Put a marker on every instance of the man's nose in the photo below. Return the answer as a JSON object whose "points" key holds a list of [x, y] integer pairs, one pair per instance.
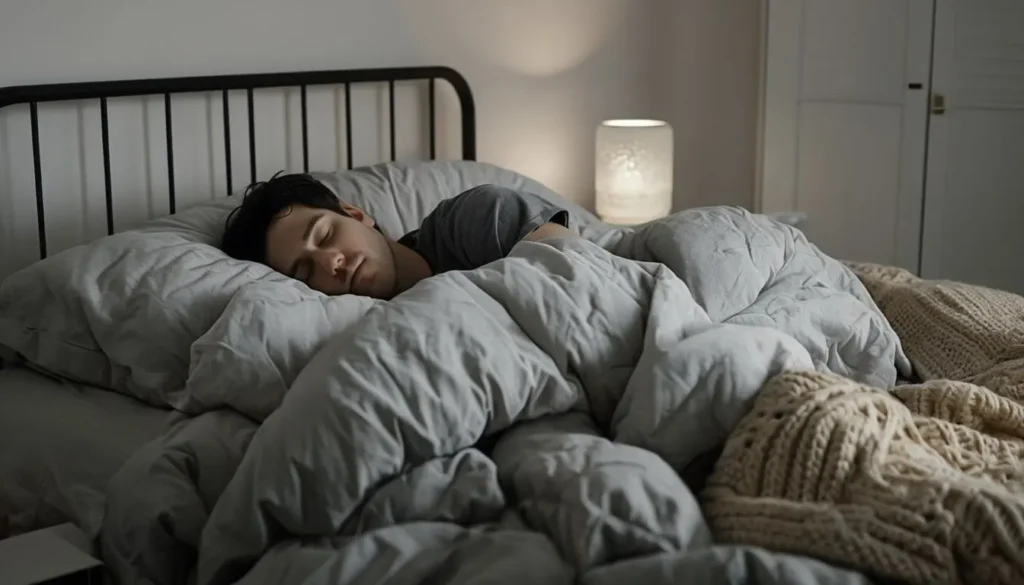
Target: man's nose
{"points": [[329, 260]]}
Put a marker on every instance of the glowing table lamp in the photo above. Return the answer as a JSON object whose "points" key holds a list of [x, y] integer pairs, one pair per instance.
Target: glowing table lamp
{"points": [[633, 174]]}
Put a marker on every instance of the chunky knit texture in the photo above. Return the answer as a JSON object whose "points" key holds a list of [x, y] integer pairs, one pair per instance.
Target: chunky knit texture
{"points": [[923, 483], [949, 330]]}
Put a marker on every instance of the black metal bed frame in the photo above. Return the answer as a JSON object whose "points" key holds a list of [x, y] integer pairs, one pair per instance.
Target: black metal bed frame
{"points": [[103, 90]]}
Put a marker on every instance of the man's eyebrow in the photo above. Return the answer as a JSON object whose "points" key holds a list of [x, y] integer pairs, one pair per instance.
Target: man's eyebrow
{"points": [[305, 238]]}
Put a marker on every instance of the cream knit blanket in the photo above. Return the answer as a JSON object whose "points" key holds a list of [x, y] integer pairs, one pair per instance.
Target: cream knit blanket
{"points": [[923, 483]]}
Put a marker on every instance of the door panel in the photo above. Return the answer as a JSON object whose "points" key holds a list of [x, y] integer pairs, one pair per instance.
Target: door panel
{"points": [[837, 143], [839, 64], [974, 203], [844, 133]]}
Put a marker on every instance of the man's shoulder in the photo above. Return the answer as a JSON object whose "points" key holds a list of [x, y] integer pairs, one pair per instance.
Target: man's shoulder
{"points": [[481, 194], [483, 204], [498, 196], [469, 203]]}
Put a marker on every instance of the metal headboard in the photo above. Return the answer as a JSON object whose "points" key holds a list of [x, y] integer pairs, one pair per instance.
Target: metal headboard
{"points": [[102, 91]]}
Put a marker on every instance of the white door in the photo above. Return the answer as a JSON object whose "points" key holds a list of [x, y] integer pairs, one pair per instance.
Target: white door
{"points": [[846, 106], [974, 201]]}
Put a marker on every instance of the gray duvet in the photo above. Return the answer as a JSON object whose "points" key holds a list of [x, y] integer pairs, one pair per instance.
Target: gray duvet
{"points": [[526, 422]]}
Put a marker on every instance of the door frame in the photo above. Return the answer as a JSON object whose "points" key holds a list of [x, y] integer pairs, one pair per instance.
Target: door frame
{"points": [[762, 101], [934, 164]]}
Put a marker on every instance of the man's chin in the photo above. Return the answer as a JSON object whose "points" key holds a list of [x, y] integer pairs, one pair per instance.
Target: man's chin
{"points": [[389, 291]]}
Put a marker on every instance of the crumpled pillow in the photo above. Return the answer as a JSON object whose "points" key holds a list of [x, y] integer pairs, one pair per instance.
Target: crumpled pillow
{"points": [[400, 195], [121, 312]]}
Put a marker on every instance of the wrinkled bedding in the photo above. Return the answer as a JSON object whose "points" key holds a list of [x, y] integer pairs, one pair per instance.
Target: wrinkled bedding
{"points": [[923, 484], [528, 421], [43, 482]]}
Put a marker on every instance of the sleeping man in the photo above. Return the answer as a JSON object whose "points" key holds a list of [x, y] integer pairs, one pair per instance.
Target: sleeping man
{"points": [[297, 226]]}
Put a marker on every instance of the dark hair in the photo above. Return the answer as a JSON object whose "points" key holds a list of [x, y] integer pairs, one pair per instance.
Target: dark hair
{"points": [[245, 230]]}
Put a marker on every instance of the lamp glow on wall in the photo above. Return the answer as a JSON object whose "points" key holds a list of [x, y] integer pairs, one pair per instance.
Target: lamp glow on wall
{"points": [[633, 173]]}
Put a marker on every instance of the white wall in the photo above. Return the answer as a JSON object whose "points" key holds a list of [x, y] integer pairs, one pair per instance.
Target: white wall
{"points": [[544, 73], [707, 62]]}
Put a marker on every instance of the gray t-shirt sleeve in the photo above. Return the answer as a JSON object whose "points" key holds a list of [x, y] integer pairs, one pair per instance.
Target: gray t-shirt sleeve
{"points": [[482, 225]]}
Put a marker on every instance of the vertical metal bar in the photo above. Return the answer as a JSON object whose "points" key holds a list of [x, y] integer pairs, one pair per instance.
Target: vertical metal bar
{"points": [[227, 140], [391, 115], [170, 152], [348, 124], [105, 131], [252, 137], [40, 215], [305, 132], [433, 119]]}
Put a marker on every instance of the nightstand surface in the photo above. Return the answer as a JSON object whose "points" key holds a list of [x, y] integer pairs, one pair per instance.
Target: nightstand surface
{"points": [[37, 557]]}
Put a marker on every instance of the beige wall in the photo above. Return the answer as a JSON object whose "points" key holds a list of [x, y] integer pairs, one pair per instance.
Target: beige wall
{"points": [[707, 86], [544, 73]]}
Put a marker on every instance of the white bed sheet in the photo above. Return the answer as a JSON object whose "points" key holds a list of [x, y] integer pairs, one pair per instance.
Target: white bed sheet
{"points": [[59, 444]]}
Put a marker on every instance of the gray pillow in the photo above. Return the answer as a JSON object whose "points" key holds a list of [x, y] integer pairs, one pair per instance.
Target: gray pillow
{"points": [[123, 311], [399, 195]]}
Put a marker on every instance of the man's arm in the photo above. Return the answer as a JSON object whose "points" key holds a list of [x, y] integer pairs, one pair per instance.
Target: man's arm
{"points": [[548, 230], [483, 224]]}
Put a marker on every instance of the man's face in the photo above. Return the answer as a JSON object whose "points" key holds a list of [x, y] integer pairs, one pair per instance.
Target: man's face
{"points": [[332, 253]]}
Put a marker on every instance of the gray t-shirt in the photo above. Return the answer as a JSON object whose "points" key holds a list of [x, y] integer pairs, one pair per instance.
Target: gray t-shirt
{"points": [[479, 226]]}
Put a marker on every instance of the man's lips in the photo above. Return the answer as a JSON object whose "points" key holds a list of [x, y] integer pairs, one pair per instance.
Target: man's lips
{"points": [[355, 278]]}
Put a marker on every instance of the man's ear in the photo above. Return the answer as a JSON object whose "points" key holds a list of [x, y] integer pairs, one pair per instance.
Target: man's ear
{"points": [[358, 214]]}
